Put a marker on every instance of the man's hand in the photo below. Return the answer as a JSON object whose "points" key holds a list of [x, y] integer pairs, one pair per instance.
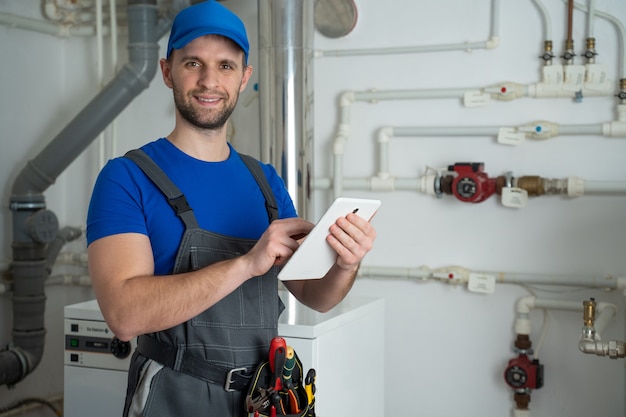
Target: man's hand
{"points": [[352, 237], [277, 244]]}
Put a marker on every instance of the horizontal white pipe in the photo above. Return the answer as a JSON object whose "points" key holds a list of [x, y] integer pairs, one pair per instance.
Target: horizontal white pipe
{"points": [[425, 273], [394, 272], [42, 26], [374, 95], [72, 258], [69, 279], [417, 184], [492, 42], [604, 187], [463, 46], [445, 131], [588, 129]]}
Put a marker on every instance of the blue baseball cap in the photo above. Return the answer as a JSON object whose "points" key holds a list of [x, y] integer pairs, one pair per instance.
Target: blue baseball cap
{"points": [[207, 18]]}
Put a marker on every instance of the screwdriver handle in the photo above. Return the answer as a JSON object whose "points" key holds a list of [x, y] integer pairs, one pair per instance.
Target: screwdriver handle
{"points": [[290, 363], [277, 342]]}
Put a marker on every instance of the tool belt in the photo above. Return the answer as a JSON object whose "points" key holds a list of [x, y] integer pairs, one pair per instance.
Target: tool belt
{"points": [[236, 379], [279, 387]]}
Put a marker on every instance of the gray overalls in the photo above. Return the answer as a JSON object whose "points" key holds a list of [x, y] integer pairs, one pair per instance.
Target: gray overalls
{"points": [[202, 367]]}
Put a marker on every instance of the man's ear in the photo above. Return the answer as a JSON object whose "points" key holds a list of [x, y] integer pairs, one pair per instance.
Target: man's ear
{"points": [[247, 74], [166, 72]]}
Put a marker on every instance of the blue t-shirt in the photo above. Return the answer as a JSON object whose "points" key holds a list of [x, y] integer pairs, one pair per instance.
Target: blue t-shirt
{"points": [[224, 197]]}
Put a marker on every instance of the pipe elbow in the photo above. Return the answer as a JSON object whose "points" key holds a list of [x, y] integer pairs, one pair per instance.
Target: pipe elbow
{"points": [[17, 361], [493, 42], [385, 134], [346, 99], [525, 304], [587, 345]]}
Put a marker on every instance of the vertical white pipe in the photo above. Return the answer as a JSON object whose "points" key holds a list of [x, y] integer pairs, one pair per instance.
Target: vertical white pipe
{"points": [[606, 314], [591, 18], [545, 18]]}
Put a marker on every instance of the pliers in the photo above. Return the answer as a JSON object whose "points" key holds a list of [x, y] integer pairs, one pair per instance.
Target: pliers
{"points": [[262, 400]]}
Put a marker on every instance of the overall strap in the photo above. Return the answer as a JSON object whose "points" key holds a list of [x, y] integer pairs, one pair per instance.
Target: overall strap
{"points": [[259, 176], [175, 197]]}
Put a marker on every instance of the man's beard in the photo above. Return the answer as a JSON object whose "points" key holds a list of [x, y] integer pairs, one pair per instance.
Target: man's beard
{"points": [[198, 119]]}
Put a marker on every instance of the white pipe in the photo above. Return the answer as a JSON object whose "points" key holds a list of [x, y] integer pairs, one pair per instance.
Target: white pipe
{"points": [[529, 130], [620, 28], [545, 18], [526, 304], [604, 187], [385, 181], [606, 313], [50, 28], [377, 95], [384, 136], [616, 128], [591, 16], [492, 42], [464, 46], [70, 280], [458, 275], [72, 258]]}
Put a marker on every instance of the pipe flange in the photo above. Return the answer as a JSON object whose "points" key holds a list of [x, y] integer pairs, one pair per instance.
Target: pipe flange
{"points": [[22, 358]]}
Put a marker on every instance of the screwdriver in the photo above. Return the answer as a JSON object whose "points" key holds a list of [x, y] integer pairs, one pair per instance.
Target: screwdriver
{"points": [[277, 361], [290, 363], [276, 343]]}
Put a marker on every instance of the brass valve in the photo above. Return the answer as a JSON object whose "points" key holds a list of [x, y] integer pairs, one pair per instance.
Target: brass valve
{"points": [[589, 312]]}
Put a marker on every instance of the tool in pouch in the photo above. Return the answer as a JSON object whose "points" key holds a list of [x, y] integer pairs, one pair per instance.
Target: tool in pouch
{"points": [[278, 387]]}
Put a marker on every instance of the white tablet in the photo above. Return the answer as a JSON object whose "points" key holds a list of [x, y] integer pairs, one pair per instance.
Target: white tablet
{"points": [[315, 257]]}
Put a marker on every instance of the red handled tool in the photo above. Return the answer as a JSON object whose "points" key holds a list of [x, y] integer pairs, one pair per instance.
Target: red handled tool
{"points": [[278, 348]]}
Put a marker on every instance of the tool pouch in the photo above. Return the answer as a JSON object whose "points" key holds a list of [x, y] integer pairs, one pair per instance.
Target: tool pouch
{"points": [[291, 401]]}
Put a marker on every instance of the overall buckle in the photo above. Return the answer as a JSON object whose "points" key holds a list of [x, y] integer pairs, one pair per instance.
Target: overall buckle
{"points": [[230, 380]]}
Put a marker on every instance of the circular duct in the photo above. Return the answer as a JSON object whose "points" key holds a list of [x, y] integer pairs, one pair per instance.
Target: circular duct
{"points": [[335, 18]]}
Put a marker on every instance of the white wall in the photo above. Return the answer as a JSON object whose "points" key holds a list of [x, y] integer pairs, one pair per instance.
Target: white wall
{"points": [[446, 348]]}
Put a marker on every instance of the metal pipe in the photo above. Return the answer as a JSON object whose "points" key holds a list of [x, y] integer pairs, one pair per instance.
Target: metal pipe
{"points": [[33, 225], [286, 93]]}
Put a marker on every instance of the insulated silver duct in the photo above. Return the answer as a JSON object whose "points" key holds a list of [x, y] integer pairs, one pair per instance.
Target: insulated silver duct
{"points": [[34, 227], [286, 30]]}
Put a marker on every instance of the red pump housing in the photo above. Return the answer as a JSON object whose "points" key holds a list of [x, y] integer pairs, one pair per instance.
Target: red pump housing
{"points": [[523, 373], [471, 184]]}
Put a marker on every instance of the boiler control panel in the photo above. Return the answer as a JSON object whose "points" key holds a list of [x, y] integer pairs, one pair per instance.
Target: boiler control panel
{"points": [[90, 343]]}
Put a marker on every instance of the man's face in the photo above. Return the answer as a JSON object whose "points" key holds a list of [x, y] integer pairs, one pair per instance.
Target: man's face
{"points": [[206, 77]]}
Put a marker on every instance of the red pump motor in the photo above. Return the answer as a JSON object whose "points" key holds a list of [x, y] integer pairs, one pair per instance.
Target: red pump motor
{"points": [[524, 374], [471, 184]]}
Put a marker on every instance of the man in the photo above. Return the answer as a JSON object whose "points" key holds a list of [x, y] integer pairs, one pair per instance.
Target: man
{"points": [[184, 254]]}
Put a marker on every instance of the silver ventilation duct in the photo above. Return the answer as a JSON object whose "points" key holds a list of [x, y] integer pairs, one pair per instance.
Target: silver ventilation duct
{"points": [[286, 30], [35, 228]]}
